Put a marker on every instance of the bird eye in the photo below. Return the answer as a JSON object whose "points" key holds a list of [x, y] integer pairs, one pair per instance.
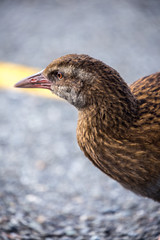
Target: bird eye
{"points": [[59, 75]]}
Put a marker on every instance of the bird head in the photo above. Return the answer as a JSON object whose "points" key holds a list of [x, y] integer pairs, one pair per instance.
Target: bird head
{"points": [[79, 79]]}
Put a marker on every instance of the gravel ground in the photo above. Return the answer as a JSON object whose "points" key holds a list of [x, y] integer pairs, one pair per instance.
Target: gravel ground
{"points": [[48, 189]]}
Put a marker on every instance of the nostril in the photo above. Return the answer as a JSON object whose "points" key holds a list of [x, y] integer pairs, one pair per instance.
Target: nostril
{"points": [[33, 80]]}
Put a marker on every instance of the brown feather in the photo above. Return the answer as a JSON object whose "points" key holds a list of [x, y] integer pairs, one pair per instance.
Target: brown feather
{"points": [[119, 126]]}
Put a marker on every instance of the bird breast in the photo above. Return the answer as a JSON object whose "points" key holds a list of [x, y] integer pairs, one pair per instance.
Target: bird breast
{"points": [[125, 161]]}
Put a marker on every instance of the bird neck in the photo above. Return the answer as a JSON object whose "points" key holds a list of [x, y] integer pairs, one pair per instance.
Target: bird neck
{"points": [[113, 116]]}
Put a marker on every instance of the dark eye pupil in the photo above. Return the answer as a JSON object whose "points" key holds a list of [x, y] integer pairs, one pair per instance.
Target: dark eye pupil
{"points": [[59, 75]]}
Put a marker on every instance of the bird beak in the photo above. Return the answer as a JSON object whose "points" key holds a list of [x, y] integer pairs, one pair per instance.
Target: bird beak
{"points": [[37, 80]]}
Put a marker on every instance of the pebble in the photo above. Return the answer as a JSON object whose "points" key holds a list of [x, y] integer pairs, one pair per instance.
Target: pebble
{"points": [[109, 210], [85, 230], [84, 218], [95, 238], [59, 233], [70, 232], [35, 226]]}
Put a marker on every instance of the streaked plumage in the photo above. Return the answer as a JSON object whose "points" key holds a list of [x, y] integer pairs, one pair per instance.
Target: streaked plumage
{"points": [[118, 126]]}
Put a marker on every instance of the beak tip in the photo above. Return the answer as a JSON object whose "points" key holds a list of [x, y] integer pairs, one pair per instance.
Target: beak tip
{"points": [[17, 85], [34, 81]]}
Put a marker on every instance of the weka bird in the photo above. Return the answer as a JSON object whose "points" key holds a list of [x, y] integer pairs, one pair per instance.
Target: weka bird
{"points": [[118, 126]]}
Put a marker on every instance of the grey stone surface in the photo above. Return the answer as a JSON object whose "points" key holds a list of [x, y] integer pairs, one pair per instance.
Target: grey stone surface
{"points": [[48, 189]]}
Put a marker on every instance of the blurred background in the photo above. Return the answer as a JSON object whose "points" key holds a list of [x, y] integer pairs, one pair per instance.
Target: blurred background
{"points": [[124, 34], [47, 186]]}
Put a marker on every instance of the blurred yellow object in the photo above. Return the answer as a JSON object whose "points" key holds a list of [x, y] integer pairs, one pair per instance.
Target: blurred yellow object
{"points": [[12, 73]]}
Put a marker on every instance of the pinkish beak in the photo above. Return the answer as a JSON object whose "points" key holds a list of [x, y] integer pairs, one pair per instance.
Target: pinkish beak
{"points": [[37, 80]]}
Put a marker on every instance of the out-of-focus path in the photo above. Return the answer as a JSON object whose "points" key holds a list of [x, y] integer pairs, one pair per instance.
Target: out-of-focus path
{"points": [[48, 189]]}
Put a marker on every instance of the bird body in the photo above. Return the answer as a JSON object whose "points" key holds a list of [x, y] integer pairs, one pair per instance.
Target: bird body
{"points": [[132, 157], [118, 126]]}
